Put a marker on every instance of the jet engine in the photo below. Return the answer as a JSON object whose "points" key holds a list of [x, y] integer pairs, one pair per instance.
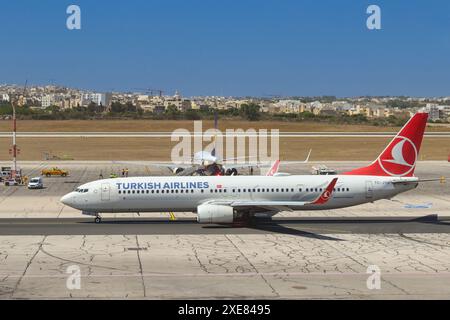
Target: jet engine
{"points": [[177, 170], [209, 214], [231, 172]]}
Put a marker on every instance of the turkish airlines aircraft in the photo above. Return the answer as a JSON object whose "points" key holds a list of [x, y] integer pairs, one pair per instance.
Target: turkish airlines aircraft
{"points": [[236, 199]]}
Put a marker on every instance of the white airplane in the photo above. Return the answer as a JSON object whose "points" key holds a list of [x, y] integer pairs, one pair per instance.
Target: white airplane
{"points": [[236, 200], [207, 163]]}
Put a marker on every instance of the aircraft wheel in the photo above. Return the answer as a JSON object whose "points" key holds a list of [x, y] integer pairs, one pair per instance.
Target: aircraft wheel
{"points": [[98, 219]]}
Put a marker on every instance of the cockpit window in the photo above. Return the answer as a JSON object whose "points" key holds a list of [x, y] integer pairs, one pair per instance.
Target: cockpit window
{"points": [[79, 190]]}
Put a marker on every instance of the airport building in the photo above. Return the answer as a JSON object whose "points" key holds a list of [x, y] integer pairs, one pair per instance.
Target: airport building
{"points": [[103, 99], [4, 97]]}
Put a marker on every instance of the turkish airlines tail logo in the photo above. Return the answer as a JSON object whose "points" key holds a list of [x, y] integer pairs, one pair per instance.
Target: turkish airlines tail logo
{"points": [[400, 157], [326, 195]]}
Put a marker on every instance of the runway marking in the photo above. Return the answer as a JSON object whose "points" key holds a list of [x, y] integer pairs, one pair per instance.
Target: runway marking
{"points": [[245, 274]]}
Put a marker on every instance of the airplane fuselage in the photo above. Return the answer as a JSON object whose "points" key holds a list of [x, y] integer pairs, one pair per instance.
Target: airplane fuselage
{"points": [[182, 194]]}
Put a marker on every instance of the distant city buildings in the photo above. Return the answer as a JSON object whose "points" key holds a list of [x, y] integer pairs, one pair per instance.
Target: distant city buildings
{"points": [[100, 99], [370, 107], [438, 112], [4, 97]]}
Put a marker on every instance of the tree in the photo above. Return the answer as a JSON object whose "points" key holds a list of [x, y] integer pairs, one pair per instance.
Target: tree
{"points": [[192, 115], [251, 111], [172, 112]]}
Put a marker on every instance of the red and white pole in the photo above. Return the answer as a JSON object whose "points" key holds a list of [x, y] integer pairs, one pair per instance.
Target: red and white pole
{"points": [[14, 151]]}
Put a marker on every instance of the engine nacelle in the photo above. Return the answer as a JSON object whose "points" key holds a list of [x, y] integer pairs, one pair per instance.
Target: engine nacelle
{"points": [[177, 170], [208, 214]]}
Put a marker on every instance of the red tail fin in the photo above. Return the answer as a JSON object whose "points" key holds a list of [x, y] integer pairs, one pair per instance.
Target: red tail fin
{"points": [[400, 157]]}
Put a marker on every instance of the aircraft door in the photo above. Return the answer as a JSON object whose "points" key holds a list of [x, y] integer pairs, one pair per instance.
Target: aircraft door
{"points": [[106, 192], [369, 189]]}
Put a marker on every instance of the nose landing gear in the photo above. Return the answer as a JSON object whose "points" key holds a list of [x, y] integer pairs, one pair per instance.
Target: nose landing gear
{"points": [[97, 219]]}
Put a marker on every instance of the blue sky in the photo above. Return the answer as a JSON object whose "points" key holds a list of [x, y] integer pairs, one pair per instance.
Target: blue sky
{"points": [[240, 48]]}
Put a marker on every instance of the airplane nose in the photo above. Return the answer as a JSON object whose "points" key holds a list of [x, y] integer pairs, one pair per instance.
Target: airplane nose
{"points": [[68, 200]]}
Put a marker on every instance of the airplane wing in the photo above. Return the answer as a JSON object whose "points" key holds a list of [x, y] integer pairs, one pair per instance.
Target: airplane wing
{"points": [[245, 165], [301, 162], [188, 171], [169, 165], [414, 181], [277, 206]]}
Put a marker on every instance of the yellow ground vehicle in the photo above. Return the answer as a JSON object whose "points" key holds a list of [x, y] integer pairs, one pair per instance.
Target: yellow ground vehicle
{"points": [[55, 172]]}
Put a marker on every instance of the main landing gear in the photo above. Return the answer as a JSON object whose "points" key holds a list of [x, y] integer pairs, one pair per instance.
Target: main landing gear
{"points": [[98, 219]]}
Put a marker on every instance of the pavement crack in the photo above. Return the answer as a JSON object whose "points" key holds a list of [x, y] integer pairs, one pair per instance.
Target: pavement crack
{"points": [[422, 241], [274, 291], [78, 262], [41, 243], [140, 266]]}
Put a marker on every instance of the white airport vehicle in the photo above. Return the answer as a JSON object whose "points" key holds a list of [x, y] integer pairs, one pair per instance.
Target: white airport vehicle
{"points": [[11, 183], [36, 183], [323, 170], [234, 200]]}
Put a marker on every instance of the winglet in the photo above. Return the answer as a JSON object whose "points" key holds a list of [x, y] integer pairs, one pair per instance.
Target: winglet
{"points": [[309, 156], [273, 169], [326, 195]]}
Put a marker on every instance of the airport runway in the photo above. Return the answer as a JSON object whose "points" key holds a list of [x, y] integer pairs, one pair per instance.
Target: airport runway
{"points": [[302, 227], [298, 255]]}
